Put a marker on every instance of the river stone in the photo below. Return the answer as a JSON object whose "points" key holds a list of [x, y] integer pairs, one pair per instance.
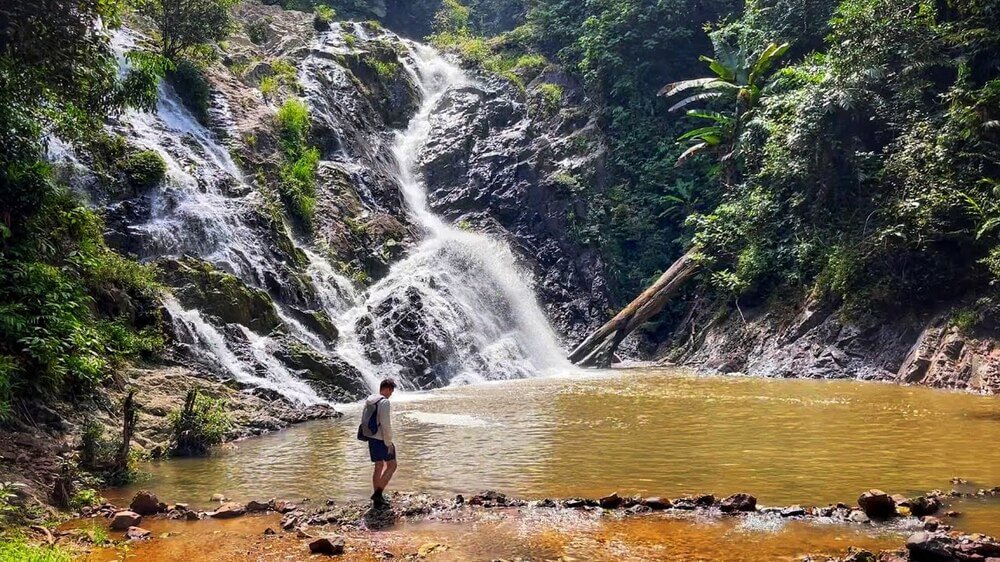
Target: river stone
{"points": [[656, 503], [138, 534], [793, 511], [254, 506], [146, 503], [877, 504], [331, 545], [228, 511], [929, 547], [612, 501], [122, 520], [738, 502], [921, 505]]}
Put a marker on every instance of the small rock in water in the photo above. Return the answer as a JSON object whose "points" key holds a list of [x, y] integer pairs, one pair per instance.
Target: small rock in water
{"points": [[122, 520], [921, 505], [877, 504], [146, 503], [219, 498], [269, 531], [228, 511], [858, 555], [612, 501], [953, 513], [331, 545], [459, 499], [257, 506], [656, 503], [738, 502], [137, 534], [931, 523], [793, 511], [858, 516], [284, 506]]}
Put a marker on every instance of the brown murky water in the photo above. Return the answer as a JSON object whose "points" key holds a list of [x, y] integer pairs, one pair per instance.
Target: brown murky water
{"points": [[513, 535], [646, 431]]}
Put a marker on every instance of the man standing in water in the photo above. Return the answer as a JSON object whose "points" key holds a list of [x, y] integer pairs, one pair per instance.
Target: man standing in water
{"points": [[376, 428]]}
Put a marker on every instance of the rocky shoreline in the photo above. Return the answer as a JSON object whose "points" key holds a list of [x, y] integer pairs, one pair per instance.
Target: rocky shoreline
{"points": [[328, 528]]}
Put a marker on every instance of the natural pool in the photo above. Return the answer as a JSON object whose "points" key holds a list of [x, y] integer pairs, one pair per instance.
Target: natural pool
{"points": [[637, 431]]}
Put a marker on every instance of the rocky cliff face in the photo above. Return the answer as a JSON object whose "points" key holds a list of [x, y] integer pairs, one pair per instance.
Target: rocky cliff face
{"points": [[816, 341], [512, 167]]}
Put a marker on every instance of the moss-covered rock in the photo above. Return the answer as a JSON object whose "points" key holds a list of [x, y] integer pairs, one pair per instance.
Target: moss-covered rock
{"points": [[197, 284], [382, 78], [330, 375], [143, 169]]}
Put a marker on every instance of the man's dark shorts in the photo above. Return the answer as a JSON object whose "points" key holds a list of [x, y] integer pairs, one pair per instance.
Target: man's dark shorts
{"points": [[379, 452]]}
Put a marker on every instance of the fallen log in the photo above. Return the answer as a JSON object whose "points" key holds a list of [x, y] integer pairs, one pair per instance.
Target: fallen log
{"points": [[599, 347]]}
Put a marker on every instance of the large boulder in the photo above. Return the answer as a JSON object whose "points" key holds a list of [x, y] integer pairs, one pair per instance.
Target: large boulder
{"points": [[197, 284], [921, 505], [877, 504], [146, 503]]}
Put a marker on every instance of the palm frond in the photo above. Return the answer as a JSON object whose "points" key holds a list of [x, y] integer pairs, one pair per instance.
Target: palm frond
{"points": [[724, 72], [690, 152], [720, 118], [703, 133], [697, 97], [771, 54], [675, 87]]}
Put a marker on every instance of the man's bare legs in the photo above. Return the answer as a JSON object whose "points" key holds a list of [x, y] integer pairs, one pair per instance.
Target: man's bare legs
{"points": [[377, 477], [389, 468]]}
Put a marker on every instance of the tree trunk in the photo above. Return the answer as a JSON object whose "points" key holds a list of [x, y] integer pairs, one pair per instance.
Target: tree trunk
{"points": [[130, 415], [599, 347]]}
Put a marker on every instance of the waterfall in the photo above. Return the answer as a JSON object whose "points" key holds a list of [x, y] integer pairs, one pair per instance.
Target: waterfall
{"points": [[481, 314], [456, 309]]}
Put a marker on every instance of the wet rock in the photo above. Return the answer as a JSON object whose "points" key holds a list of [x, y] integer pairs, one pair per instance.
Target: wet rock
{"points": [[877, 504], [613, 501], [858, 555], [429, 548], [921, 505], [254, 506], [931, 523], [656, 503], [137, 534], [331, 545], [219, 498], [146, 503], [122, 520], [269, 531], [929, 547], [858, 516], [793, 511], [953, 513], [491, 498], [578, 503], [738, 502], [229, 511], [284, 506], [292, 519], [198, 284]]}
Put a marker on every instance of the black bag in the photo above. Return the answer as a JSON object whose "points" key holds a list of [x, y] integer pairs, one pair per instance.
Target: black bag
{"points": [[372, 423]]}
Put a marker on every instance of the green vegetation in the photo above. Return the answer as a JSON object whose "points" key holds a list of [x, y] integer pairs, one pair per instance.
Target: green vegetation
{"points": [[201, 423], [86, 497], [551, 97], [144, 169], [17, 548], [188, 79], [186, 28], [297, 184], [257, 31], [322, 17]]}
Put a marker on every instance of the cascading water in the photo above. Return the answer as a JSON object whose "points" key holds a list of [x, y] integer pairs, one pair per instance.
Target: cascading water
{"points": [[464, 290], [456, 309]]}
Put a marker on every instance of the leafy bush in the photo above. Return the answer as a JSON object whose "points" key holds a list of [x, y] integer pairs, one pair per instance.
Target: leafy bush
{"points": [[86, 497], [144, 169], [257, 31], [551, 97], [192, 87], [323, 16], [186, 27], [202, 422], [17, 548]]}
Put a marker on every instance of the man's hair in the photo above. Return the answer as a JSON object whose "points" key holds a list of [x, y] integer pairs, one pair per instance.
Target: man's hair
{"points": [[387, 383]]}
